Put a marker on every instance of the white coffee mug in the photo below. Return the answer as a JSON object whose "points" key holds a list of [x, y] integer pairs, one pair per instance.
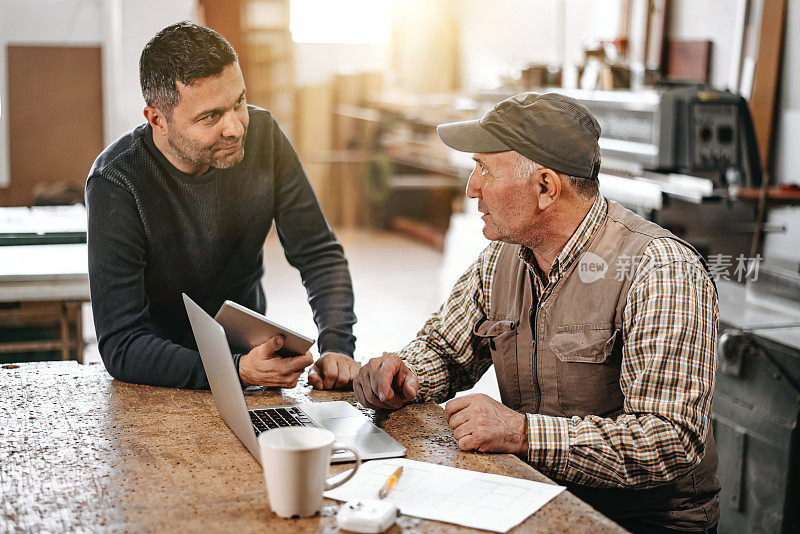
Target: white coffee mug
{"points": [[296, 461]]}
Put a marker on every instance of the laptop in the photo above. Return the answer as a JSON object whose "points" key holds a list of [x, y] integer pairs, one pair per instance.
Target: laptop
{"points": [[350, 426]]}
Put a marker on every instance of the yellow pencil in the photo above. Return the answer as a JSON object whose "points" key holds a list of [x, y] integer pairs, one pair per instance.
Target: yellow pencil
{"points": [[389, 484]]}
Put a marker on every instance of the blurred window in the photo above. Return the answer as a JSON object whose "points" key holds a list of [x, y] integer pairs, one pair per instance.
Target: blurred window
{"points": [[341, 21]]}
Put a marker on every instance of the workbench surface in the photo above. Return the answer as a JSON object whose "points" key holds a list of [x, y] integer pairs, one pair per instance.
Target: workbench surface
{"points": [[81, 451]]}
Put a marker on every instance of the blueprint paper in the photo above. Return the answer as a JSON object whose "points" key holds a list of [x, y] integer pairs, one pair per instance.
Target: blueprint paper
{"points": [[468, 498]]}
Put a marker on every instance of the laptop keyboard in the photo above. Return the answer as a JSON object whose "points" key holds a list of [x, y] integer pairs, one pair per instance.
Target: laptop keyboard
{"points": [[268, 418]]}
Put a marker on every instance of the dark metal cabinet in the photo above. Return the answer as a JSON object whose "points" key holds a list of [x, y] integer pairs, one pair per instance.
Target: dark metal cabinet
{"points": [[755, 415]]}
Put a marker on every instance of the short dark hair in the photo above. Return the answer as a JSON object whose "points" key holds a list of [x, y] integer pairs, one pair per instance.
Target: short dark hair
{"points": [[587, 188], [185, 52]]}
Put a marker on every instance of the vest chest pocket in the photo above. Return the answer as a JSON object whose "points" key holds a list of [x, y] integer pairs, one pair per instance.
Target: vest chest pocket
{"points": [[587, 369], [500, 339]]}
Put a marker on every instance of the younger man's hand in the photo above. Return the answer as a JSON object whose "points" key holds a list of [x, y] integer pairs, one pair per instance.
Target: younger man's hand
{"points": [[263, 367], [334, 370]]}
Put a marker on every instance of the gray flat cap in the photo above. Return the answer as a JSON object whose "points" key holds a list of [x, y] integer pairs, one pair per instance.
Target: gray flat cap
{"points": [[551, 129]]}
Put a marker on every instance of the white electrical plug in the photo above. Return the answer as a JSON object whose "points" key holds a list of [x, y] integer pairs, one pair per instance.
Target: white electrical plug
{"points": [[370, 516]]}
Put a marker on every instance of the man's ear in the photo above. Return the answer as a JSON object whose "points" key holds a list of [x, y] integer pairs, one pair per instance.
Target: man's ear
{"points": [[548, 187], [156, 118]]}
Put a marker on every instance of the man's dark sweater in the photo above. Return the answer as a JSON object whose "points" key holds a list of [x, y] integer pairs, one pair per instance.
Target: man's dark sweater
{"points": [[155, 232]]}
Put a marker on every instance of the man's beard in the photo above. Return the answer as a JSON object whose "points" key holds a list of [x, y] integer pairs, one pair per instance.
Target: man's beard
{"points": [[528, 236], [197, 154]]}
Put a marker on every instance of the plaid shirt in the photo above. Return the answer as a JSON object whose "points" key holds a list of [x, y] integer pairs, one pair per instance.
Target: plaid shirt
{"points": [[667, 373]]}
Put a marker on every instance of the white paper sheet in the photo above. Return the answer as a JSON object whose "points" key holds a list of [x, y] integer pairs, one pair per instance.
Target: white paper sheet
{"points": [[468, 498]]}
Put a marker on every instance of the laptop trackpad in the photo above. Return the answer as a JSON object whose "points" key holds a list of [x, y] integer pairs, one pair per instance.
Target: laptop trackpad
{"points": [[347, 426], [373, 445], [353, 429]]}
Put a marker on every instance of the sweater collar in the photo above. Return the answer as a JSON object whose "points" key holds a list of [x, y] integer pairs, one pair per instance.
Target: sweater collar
{"points": [[171, 169]]}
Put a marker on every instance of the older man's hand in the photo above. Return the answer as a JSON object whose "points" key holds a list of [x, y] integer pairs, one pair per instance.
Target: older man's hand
{"points": [[333, 371], [482, 424], [385, 383]]}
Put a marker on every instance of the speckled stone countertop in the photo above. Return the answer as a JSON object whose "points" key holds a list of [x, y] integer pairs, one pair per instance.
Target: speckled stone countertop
{"points": [[82, 452]]}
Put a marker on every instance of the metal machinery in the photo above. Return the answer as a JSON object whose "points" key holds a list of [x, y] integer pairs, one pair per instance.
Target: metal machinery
{"points": [[696, 131], [676, 155], [756, 407]]}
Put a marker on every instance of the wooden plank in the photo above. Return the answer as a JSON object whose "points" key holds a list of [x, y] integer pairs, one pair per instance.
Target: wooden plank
{"points": [[786, 193], [347, 89], [83, 452], [656, 34], [352, 134], [31, 310], [420, 230], [688, 61], [75, 310], [314, 136], [738, 35], [28, 319], [64, 331], [34, 346], [55, 118], [624, 26], [65, 315], [225, 17], [763, 99], [425, 47], [637, 32]]}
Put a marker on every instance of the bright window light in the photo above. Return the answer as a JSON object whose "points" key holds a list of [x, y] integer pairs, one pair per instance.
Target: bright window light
{"points": [[341, 21]]}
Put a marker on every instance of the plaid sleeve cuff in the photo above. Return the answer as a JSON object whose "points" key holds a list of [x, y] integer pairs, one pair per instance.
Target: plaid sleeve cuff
{"points": [[548, 443], [424, 388]]}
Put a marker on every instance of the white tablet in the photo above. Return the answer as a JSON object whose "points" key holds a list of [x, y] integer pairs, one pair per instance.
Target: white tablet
{"points": [[246, 329]]}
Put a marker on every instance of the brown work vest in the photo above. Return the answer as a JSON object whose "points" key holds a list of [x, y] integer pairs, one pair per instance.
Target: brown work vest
{"points": [[562, 358]]}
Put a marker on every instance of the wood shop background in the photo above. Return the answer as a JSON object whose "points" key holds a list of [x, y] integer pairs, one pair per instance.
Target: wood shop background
{"points": [[699, 102]]}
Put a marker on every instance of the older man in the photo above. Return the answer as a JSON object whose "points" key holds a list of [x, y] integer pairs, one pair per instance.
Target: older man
{"points": [[600, 324]]}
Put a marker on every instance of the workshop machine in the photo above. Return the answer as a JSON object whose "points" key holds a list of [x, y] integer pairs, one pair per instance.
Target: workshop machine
{"points": [[756, 407], [677, 155]]}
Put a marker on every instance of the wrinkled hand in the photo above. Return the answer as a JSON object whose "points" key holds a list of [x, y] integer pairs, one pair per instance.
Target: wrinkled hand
{"points": [[262, 367], [385, 383], [333, 371], [482, 424]]}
